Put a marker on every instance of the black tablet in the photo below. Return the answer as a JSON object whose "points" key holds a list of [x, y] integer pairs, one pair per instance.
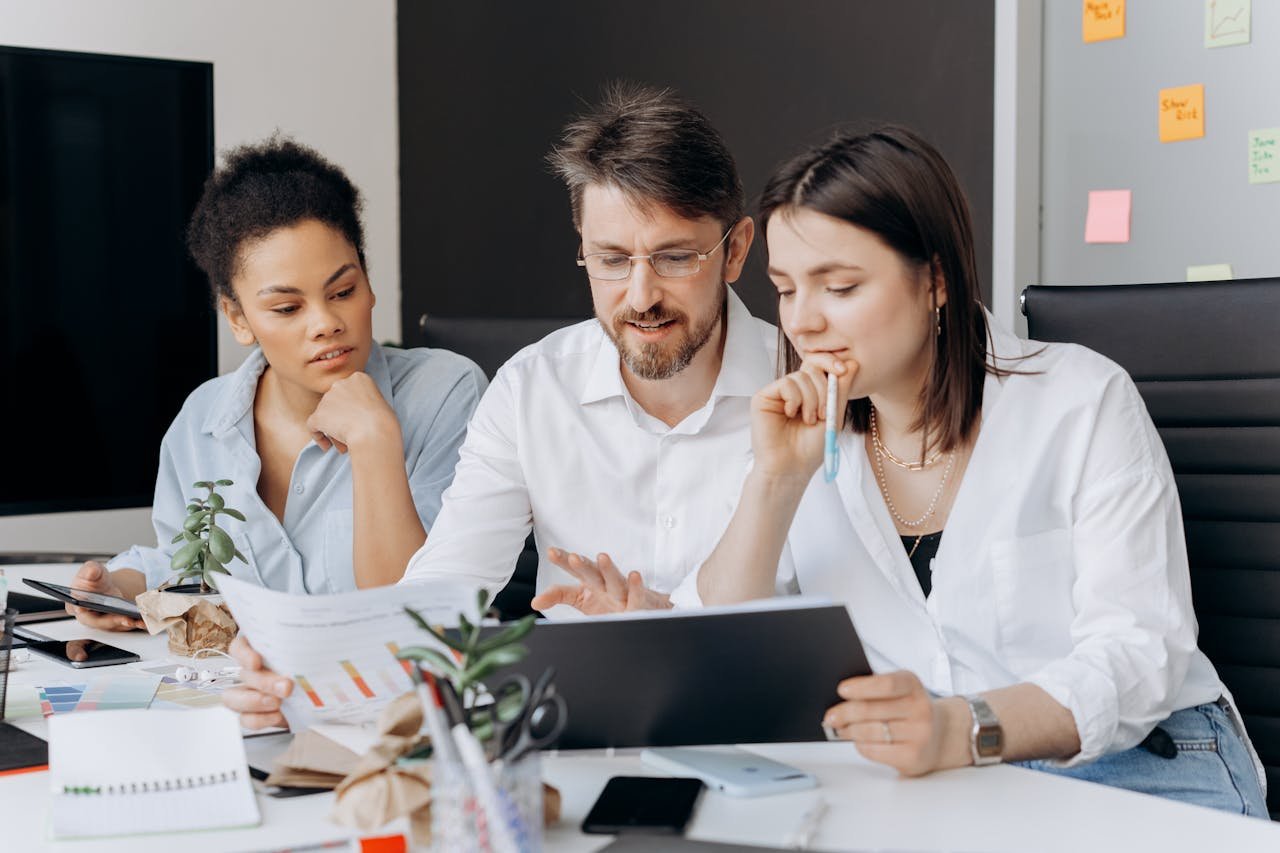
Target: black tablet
{"points": [[98, 601], [681, 678]]}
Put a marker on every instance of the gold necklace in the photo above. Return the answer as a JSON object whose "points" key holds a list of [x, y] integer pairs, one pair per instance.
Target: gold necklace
{"points": [[888, 454], [933, 504]]}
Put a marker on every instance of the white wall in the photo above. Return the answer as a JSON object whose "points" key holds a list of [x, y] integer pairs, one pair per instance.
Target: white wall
{"points": [[323, 71]]}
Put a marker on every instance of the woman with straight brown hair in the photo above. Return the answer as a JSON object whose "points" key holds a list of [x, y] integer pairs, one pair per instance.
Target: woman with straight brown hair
{"points": [[1001, 522]]}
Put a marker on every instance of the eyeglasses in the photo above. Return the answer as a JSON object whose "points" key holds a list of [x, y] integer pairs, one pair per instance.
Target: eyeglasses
{"points": [[669, 263]]}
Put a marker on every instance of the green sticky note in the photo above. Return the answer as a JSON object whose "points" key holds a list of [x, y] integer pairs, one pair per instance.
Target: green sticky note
{"points": [[1264, 156], [1209, 272], [1227, 22]]}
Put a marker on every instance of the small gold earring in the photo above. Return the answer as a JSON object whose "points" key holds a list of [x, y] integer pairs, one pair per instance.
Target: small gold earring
{"points": [[937, 313]]}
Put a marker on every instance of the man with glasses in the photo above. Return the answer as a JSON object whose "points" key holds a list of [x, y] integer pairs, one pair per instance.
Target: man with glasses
{"points": [[621, 441]]}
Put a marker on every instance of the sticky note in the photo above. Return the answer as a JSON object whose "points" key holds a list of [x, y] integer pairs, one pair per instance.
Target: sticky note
{"points": [[1227, 22], [1182, 113], [1108, 218], [1103, 19], [1264, 156], [1209, 272]]}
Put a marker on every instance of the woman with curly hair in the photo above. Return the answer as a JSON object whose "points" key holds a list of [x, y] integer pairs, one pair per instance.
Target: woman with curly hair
{"points": [[339, 449]]}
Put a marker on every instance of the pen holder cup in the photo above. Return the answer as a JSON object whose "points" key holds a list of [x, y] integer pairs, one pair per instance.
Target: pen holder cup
{"points": [[459, 820], [7, 620]]}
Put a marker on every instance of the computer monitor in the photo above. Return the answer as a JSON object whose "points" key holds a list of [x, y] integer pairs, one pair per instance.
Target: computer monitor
{"points": [[105, 323]]}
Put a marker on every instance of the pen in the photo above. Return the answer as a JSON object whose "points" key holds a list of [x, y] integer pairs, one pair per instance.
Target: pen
{"points": [[831, 454], [437, 725], [486, 790]]}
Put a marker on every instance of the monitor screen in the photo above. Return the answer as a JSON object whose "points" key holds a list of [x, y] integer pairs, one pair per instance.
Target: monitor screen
{"points": [[106, 325]]}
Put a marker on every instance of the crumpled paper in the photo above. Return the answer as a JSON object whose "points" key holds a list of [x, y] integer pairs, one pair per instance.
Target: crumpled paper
{"points": [[194, 622], [313, 761], [379, 790]]}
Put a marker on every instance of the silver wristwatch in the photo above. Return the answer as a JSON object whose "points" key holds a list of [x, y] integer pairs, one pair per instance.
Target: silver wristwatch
{"points": [[986, 739]]}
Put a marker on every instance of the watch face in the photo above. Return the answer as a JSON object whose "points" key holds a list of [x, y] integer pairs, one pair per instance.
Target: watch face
{"points": [[990, 742]]}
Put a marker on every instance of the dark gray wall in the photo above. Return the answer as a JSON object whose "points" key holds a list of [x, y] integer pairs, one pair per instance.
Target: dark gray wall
{"points": [[485, 87]]}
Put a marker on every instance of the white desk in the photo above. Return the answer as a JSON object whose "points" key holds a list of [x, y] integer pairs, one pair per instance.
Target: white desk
{"points": [[991, 809]]}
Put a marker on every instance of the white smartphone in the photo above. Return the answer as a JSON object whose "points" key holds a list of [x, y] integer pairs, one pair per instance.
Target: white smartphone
{"points": [[730, 770]]}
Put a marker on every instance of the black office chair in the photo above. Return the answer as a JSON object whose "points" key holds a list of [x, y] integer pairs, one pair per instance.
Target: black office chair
{"points": [[489, 342], [1206, 359]]}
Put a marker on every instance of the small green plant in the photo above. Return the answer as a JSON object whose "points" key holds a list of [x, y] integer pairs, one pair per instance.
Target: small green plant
{"points": [[208, 548], [476, 659]]}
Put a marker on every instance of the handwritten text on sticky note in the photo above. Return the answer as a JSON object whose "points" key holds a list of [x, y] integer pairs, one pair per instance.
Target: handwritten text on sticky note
{"points": [[1103, 19], [1264, 156], [1182, 113], [1108, 218]]}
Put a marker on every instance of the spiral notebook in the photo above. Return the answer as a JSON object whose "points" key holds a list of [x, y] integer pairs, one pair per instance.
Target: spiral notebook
{"points": [[141, 771]]}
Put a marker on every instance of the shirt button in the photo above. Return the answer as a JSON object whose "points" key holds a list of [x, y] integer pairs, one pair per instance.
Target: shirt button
{"points": [[668, 522], [299, 489]]}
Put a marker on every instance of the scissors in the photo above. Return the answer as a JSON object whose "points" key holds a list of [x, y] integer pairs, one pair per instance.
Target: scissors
{"points": [[540, 719]]}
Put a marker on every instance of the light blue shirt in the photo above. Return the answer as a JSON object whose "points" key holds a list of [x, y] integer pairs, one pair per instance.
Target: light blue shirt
{"points": [[433, 393]]}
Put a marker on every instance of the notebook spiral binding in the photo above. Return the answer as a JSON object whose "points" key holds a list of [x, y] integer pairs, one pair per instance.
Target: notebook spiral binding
{"points": [[179, 784]]}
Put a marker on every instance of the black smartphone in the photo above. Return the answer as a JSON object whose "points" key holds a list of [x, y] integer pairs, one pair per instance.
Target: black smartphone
{"points": [[101, 602], [81, 653], [643, 804]]}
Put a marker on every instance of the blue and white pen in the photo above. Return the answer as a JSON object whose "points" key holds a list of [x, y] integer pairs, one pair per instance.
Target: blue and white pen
{"points": [[831, 453]]}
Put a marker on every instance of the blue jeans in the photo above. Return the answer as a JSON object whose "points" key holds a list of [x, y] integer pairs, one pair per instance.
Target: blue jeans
{"points": [[1213, 767]]}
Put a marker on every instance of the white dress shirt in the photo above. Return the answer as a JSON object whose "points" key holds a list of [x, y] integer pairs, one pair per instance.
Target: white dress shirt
{"points": [[1062, 562], [558, 444]]}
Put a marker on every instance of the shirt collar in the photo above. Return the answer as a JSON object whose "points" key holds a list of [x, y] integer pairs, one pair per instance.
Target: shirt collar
{"points": [[744, 369], [235, 402]]}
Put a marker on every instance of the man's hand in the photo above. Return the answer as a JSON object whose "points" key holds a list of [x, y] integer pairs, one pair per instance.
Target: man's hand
{"points": [[601, 587], [94, 577], [353, 413], [257, 699]]}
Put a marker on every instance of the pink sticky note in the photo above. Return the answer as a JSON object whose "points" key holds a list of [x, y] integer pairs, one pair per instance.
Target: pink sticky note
{"points": [[1108, 217]]}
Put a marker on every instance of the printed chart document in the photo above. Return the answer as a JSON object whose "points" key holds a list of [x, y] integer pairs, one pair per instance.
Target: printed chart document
{"points": [[340, 650]]}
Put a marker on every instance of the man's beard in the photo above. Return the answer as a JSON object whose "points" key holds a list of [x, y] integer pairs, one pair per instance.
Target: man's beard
{"points": [[661, 360]]}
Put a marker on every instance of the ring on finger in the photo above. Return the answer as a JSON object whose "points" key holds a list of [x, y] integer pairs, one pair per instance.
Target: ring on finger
{"points": [[888, 732]]}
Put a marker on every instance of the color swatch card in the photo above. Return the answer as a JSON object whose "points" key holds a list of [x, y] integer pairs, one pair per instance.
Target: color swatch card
{"points": [[1108, 218], [1182, 113], [1264, 156], [340, 650], [107, 693], [1102, 20], [1227, 22]]}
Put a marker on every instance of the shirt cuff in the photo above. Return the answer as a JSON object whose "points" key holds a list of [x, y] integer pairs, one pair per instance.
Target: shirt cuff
{"points": [[1092, 700], [156, 571]]}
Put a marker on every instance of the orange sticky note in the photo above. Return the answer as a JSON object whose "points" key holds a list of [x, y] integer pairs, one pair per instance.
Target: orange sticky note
{"points": [[1182, 113], [1103, 19], [1108, 218]]}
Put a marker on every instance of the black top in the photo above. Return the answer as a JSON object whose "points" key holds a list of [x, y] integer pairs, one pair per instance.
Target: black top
{"points": [[923, 556]]}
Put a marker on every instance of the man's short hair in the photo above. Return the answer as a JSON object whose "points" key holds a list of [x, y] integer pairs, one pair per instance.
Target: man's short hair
{"points": [[276, 183], [656, 149]]}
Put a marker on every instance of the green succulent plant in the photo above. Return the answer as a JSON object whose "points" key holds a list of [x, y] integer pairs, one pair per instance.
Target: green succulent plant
{"points": [[476, 660], [207, 548]]}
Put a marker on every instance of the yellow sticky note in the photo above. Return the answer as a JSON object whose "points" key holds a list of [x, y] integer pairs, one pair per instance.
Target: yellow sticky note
{"points": [[1209, 272], [1264, 156], [1103, 19], [1182, 113]]}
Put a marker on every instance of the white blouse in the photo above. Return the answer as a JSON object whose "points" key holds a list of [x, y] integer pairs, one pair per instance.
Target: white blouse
{"points": [[1062, 563]]}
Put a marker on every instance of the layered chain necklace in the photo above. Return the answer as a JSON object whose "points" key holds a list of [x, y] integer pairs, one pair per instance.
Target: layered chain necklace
{"points": [[881, 453]]}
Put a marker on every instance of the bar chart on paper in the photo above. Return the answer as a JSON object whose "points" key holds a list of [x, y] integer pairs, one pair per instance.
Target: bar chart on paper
{"points": [[350, 688], [340, 650], [102, 694]]}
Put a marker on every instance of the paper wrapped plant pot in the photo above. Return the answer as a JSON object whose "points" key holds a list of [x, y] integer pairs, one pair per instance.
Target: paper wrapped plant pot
{"points": [[194, 621]]}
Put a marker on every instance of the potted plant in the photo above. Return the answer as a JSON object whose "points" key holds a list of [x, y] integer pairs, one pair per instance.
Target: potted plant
{"points": [[188, 606]]}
